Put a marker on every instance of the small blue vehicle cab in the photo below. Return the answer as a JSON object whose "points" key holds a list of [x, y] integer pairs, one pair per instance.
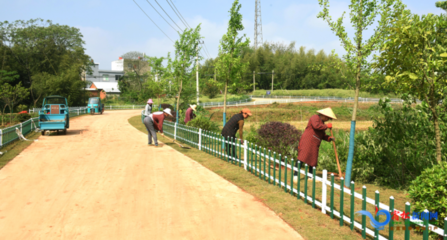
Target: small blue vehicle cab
{"points": [[95, 106], [54, 115]]}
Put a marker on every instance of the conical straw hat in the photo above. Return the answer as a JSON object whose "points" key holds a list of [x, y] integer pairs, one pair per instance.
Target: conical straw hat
{"points": [[327, 112]]}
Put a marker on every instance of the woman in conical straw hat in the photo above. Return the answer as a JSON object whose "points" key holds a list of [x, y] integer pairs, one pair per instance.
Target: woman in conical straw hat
{"points": [[310, 141], [189, 115]]}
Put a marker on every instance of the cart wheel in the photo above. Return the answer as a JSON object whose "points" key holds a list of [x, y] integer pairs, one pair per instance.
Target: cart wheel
{"points": [[102, 111], [57, 132], [65, 132], [43, 133]]}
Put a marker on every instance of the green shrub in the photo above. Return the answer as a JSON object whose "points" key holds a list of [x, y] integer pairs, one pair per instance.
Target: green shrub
{"points": [[204, 123], [399, 148], [252, 135], [22, 117], [429, 191], [326, 156], [22, 107]]}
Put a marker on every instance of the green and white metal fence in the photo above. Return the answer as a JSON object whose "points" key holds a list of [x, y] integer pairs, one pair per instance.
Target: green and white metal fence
{"points": [[278, 170]]}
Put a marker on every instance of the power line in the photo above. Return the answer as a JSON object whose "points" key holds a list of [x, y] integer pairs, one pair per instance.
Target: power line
{"points": [[185, 22], [179, 13], [153, 21], [167, 14], [208, 56], [207, 49], [162, 16]]}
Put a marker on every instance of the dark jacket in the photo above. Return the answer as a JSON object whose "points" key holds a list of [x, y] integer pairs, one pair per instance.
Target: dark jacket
{"points": [[232, 126]]}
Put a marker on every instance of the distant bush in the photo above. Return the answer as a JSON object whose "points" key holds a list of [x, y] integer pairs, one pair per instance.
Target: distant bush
{"points": [[429, 191], [279, 137], [204, 123], [211, 88], [22, 117]]}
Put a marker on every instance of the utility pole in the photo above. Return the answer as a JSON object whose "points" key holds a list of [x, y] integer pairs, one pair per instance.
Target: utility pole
{"points": [[254, 83], [273, 74]]}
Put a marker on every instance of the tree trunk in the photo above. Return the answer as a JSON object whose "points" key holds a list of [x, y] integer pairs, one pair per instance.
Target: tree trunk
{"points": [[10, 115], [356, 101], [356, 97], [3, 114]]}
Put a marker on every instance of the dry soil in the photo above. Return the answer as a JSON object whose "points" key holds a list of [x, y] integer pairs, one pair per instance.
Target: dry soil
{"points": [[102, 181]]}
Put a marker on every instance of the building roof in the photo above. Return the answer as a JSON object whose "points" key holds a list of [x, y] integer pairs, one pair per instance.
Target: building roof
{"points": [[107, 86]]}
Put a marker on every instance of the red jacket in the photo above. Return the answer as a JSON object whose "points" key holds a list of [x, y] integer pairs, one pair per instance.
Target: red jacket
{"points": [[189, 115], [158, 118], [310, 141]]}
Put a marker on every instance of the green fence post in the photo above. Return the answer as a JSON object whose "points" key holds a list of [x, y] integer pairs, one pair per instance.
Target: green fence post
{"points": [[256, 160], [279, 174], [305, 183], [274, 169], [265, 156], [425, 218], [214, 141], [220, 149], [250, 152], [299, 180], [376, 232], [313, 186], [332, 195], [240, 152], [364, 209], [391, 227], [291, 177], [342, 194], [285, 174], [352, 205], [269, 166], [407, 220], [260, 162]]}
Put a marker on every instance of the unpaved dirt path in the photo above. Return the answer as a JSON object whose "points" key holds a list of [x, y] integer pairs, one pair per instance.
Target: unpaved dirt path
{"points": [[101, 181]]}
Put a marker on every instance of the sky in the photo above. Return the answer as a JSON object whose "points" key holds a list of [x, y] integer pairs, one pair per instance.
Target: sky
{"points": [[113, 27]]}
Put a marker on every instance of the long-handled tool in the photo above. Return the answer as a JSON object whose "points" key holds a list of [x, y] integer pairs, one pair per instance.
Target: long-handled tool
{"points": [[180, 145], [336, 155]]}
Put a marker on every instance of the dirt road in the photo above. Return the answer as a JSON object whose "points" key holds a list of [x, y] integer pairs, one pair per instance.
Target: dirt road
{"points": [[101, 181]]}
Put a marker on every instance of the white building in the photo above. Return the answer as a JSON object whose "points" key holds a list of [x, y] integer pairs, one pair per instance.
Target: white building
{"points": [[118, 65]]}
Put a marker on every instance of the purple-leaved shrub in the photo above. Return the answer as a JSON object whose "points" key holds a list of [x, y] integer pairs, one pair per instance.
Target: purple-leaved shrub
{"points": [[281, 138]]}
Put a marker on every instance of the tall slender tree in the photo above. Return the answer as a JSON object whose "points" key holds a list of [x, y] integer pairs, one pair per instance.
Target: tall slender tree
{"points": [[186, 50], [414, 60], [230, 66], [363, 14]]}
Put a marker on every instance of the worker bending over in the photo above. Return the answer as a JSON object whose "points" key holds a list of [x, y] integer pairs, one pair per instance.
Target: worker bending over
{"points": [[190, 113], [230, 129], [154, 123], [310, 141]]}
